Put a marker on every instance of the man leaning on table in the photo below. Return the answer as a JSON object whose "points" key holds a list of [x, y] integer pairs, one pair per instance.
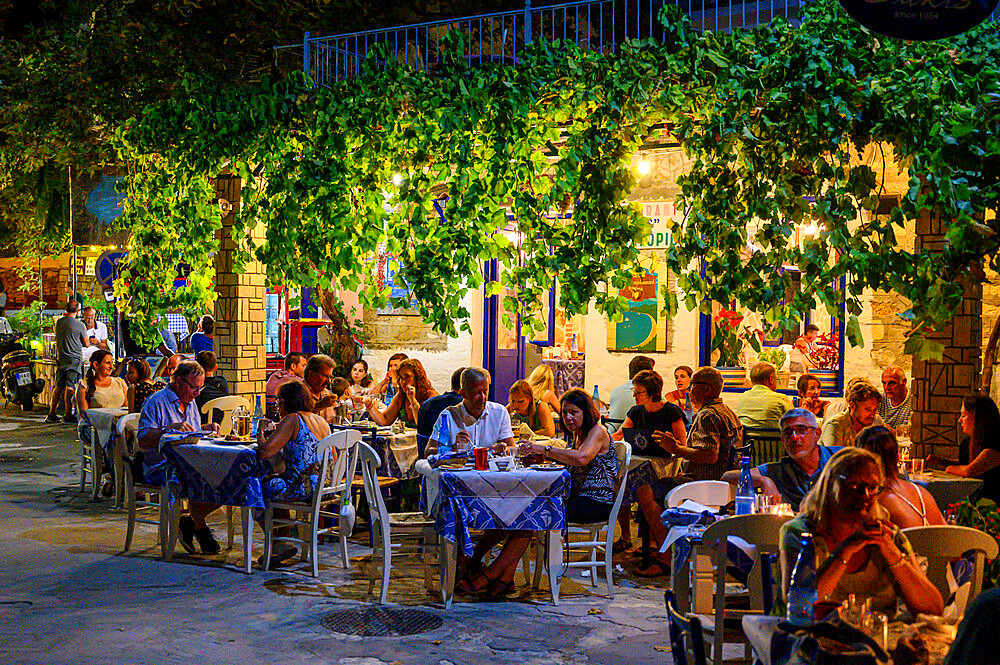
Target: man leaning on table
{"points": [[475, 421], [791, 477], [862, 411], [174, 408]]}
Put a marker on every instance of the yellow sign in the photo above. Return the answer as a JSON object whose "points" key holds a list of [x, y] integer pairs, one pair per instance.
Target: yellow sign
{"points": [[661, 215]]}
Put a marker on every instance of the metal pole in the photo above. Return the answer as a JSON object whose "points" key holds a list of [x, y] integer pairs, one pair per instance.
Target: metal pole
{"points": [[73, 277], [527, 21], [306, 54]]}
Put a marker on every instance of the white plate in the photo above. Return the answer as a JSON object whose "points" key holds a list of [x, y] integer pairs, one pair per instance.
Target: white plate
{"points": [[547, 467]]}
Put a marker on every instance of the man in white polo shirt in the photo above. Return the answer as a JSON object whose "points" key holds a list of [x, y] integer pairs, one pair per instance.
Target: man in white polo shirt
{"points": [[475, 420], [97, 332]]}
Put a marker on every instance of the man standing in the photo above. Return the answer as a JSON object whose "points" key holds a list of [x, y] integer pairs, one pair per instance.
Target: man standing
{"points": [[762, 405], [862, 410], [71, 340], [475, 422], [894, 407], [790, 478], [431, 409], [317, 377], [174, 408], [204, 338], [621, 399]]}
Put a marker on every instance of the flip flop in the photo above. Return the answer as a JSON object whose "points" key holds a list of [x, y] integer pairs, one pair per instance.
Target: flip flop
{"points": [[621, 546], [498, 590]]}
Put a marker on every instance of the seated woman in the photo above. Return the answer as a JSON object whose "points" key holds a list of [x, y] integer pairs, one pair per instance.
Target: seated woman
{"points": [[524, 408], [386, 389], [593, 464], [681, 397], [360, 382], [140, 384], [543, 385], [413, 389], [99, 390], [290, 451], [809, 396], [980, 421], [650, 413], [908, 504], [857, 549]]}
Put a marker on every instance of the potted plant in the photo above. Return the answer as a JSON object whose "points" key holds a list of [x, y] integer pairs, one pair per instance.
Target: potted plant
{"points": [[729, 341]]}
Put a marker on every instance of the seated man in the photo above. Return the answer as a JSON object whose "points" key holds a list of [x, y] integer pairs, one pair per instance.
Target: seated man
{"points": [[167, 368], [317, 377], [432, 407], [475, 421], [862, 411], [894, 407], [173, 408], [708, 453], [790, 478], [215, 386], [762, 405]]}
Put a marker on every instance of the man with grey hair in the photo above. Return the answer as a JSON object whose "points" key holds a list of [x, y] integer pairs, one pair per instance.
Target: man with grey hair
{"points": [[475, 421], [762, 405], [894, 407], [174, 408], [318, 374], [791, 477]]}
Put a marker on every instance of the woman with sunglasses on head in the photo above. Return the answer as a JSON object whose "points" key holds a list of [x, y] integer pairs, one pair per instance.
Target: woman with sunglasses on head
{"points": [[908, 504], [858, 551]]}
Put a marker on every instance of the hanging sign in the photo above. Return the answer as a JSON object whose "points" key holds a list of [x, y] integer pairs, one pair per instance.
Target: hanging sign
{"points": [[920, 20]]}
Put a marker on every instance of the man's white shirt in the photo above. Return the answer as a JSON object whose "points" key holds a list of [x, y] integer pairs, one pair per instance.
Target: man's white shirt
{"points": [[492, 425]]}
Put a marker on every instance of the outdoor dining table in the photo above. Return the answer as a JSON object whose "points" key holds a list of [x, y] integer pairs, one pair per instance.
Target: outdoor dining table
{"points": [[945, 487], [762, 629], [104, 422], [464, 499], [219, 472], [402, 446]]}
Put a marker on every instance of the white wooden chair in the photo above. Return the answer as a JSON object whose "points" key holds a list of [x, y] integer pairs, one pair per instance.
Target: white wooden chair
{"points": [[598, 536], [335, 488], [410, 535], [227, 405], [710, 493], [942, 544], [158, 497], [761, 531], [126, 424]]}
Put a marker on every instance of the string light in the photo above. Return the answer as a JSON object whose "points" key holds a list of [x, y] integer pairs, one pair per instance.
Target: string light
{"points": [[397, 179]]}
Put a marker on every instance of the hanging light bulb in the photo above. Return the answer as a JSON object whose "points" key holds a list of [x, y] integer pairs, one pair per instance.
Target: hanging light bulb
{"points": [[642, 167], [397, 179]]}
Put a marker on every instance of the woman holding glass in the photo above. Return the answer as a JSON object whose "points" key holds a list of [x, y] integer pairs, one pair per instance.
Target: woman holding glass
{"points": [[413, 389], [857, 549], [681, 397], [592, 460]]}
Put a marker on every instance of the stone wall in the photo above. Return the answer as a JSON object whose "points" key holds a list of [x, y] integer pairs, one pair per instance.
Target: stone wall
{"points": [[401, 330], [239, 310]]}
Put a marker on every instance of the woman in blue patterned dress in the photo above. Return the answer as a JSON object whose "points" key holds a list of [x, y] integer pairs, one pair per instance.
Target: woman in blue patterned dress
{"points": [[592, 461], [290, 452]]}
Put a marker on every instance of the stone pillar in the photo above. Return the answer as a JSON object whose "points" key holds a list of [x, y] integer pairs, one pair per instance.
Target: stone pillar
{"points": [[939, 387], [239, 309]]}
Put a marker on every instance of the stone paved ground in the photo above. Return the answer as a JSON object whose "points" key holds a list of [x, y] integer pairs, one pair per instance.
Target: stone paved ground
{"points": [[69, 595]]}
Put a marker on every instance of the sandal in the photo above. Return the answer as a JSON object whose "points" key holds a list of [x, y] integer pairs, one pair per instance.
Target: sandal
{"points": [[621, 545], [498, 590], [467, 586], [654, 569]]}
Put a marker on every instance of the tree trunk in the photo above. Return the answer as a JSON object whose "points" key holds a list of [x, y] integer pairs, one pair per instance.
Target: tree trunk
{"points": [[990, 358], [345, 348]]}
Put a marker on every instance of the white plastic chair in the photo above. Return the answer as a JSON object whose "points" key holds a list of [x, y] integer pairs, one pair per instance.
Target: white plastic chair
{"points": [[710, 493], [763, 532], [227, 405], [598, 536], [335, 488], [941, 544], [411, 535]]}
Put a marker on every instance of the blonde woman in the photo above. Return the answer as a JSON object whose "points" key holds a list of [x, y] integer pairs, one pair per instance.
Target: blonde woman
{"points": [[857, 549], [543, 385]]}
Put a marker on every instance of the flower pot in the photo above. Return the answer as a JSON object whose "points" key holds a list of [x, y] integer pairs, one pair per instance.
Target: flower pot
{"points": [[733, 377], [827, 379]]}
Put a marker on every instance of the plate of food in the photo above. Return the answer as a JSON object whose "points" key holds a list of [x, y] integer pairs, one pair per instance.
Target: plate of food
{"points": [[547, 466]]}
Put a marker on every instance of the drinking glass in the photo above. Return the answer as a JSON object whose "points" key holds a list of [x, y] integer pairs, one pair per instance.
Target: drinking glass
{"points": [[765, 504], [916, 466], [243, 426], [482, 457]]}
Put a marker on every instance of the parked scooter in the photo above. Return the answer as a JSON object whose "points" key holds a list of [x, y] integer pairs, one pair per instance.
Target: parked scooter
{"points": [[17, 373]]}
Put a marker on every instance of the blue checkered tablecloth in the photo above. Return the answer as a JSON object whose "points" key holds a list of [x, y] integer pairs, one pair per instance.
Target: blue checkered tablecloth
{"points": [[526, 499], [228, 475]]}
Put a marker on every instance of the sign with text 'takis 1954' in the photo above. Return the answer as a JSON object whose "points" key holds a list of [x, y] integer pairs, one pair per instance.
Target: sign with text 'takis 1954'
{"points": [[920, 20]]}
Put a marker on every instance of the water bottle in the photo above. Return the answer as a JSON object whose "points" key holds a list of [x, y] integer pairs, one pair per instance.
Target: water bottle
{"points": [[573, 347], [802, 589], [444, 436], [746, 500], [598, 403], [258, 413]]}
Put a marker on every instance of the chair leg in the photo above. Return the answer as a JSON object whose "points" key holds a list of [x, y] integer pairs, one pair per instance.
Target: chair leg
{"points": [[314, 544], [343, 551], [173, 520], [130, 505], [591, 536], [230, 528], [96, 470], [608, 562], [268, 536], [119, 471], [84, 448], [247, 540]]}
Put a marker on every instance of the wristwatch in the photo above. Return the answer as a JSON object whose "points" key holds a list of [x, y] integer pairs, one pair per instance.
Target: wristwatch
{"points": [[548, 449]]}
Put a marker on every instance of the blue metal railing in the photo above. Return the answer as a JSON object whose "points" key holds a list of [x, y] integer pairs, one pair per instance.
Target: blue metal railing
{"points": [[599, 25]]}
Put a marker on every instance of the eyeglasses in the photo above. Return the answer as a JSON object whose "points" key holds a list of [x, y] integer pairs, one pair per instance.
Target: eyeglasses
{"points": [[195, 389], [856, 487], [638, 392], [796, 430]]}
